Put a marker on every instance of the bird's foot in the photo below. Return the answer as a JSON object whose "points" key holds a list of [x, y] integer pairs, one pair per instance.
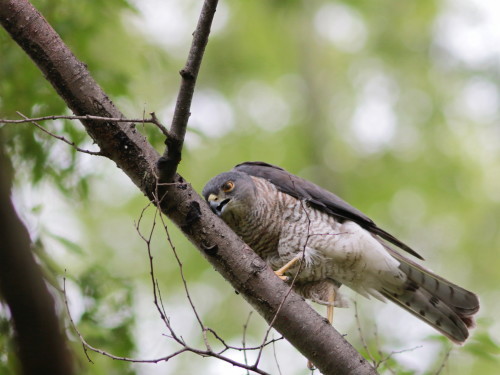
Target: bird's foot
{"points": [[280, 273], [281, 276]]}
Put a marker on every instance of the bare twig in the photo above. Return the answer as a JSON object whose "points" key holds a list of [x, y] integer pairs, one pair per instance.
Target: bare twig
{"points": [[152, 120], [243, 349], [361, 335], [73, 144], [87, 346], [383, 358], [159, 304], [445, 360], [156, 291], [392, 353], [276, 359], [184, 347], [243, 340], [180, 265]]}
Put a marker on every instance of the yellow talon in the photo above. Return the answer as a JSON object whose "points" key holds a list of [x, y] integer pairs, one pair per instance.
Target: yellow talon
{"points": [[280, 273], [282, 277]]}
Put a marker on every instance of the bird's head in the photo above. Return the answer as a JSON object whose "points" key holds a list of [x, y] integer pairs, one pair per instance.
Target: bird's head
{"points": [[230, 194]]}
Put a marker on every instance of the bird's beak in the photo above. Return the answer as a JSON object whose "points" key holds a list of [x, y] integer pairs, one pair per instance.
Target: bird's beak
{"points": [[216, 205]]}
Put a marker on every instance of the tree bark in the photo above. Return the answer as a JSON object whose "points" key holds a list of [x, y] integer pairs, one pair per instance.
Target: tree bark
{"points": [[41, 345], [248, 274]]}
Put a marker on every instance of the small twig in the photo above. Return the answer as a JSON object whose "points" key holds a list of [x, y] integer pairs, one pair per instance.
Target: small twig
{"points": [[86, 345], [276, 358], [179, 263], [445, 361], [240, 349], [361, 335], [73, 144], [82, 340], [156, 292], [383, 357], [243, 340], [153, 120], [159, 304]]}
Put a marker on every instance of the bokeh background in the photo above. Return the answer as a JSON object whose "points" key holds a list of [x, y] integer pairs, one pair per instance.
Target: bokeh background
{"points": [[393, 105]]}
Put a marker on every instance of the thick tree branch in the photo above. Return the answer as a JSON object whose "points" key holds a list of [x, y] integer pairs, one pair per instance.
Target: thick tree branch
{"points": [[311, 334], [40, 342]]}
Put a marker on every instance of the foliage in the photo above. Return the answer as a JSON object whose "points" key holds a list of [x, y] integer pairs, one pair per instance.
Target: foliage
{"points": [[367, 99]]}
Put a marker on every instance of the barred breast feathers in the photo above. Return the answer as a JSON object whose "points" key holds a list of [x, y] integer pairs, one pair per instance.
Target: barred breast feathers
{"points": [[260, 228]]}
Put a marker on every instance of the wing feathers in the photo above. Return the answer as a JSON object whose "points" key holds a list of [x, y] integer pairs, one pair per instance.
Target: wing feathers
{"points": [[321, 199]]}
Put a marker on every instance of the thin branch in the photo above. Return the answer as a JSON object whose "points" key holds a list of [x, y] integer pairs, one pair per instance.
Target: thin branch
{"points": [[243, 340], [73, 144], [160, 307], [184, 349], [181, 269], [102, 352], [383, 358], [394, 352], [276, 359], [445, 360], [244, 348], [152, 120], [361, 335], [157, 300], [171, 158]]}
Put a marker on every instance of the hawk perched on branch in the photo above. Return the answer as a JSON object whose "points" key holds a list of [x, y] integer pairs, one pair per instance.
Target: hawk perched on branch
{"points": [[319, 241]]}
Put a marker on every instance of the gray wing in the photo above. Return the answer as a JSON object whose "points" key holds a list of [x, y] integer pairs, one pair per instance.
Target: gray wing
{"points": [[317, 197]]}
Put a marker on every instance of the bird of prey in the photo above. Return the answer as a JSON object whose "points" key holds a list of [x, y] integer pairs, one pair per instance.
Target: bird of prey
{"points": [[311, 236]]}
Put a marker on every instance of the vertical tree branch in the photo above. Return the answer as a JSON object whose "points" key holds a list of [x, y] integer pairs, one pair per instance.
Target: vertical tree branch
{"points": [[171, 158], [40, 342]]}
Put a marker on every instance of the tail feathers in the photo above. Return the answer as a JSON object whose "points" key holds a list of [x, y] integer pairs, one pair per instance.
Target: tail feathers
{"points": [[462, 301], [445, 306], [434, 312]]}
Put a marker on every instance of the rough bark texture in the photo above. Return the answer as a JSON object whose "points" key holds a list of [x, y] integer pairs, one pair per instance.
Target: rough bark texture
{"points": [[40, 342], [238, 264]]}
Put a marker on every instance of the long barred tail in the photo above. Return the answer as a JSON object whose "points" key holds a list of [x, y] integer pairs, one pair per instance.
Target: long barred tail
{"points": [[445, 306]]}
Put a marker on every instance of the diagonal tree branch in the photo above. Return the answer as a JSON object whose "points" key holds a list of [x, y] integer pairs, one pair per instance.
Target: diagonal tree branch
{"points": [[311, 334]]}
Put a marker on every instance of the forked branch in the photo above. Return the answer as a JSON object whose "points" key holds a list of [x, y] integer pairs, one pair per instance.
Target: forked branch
{"points": [[120, 142]]}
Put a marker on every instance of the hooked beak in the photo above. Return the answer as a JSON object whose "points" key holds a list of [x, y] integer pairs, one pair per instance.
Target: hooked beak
{"points": [[216, 205]]}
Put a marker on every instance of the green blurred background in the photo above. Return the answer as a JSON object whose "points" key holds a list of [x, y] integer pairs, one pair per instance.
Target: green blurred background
{"points": [[393, 105]]}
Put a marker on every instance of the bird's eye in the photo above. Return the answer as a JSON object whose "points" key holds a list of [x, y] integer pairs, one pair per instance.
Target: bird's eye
{"points": [[228, 186]]}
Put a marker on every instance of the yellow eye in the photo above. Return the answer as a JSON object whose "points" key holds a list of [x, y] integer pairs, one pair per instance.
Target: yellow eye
{"points": [[228, 186]]}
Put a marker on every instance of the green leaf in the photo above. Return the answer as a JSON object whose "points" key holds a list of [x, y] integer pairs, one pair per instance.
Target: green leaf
{"points": [[68, 244]]}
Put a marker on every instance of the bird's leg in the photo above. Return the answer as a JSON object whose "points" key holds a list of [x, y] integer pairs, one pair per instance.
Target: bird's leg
{"points": [[286, 267], [330, 306]]}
